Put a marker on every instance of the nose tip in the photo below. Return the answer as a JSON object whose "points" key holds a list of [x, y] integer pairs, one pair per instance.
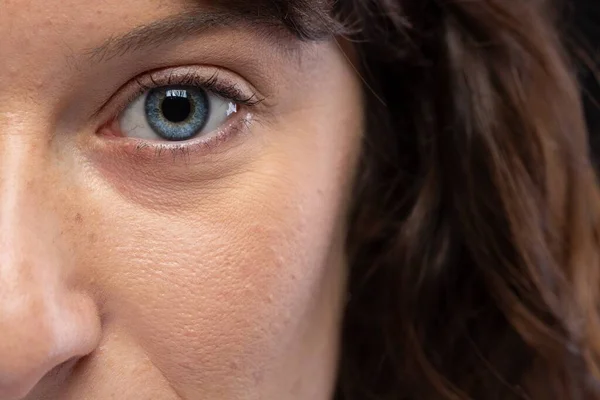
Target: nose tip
{"points": [[42, 330], [40, 338], [26, 352]]}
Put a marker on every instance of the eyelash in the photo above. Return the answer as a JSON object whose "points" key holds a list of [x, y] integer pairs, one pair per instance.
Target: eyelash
{"points": [[212, 84]]}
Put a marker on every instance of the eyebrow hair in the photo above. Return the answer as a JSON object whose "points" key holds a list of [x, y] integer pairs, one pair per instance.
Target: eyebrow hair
{"points": [[189, 23], [201, 19]]}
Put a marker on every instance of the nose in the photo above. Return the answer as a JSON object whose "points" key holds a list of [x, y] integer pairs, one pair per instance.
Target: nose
{"points": [[45, 322]]}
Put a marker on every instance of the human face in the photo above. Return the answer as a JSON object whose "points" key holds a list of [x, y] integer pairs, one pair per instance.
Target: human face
{"points": [[133, 266]]}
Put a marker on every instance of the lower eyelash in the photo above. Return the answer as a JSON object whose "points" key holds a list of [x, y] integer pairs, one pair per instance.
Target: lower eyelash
{"points": [[175, 151]]}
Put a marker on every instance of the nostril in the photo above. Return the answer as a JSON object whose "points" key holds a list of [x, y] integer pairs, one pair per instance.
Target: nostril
{"points": [[44, 338], [62, 371]]}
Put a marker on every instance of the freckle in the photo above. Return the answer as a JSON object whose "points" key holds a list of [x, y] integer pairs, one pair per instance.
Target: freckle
{"points": [[39, 83], [78, 218], [147, 366], [92, 238]]}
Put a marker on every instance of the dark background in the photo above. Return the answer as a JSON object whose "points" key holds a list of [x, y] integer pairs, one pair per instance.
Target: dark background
{"points": [[584, 23]]}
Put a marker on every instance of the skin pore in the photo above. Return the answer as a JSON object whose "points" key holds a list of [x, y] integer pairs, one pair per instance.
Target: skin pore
{"points": [[211, 268]]}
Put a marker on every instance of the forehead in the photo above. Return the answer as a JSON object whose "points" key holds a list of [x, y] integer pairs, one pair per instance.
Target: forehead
{"points": [[41, 35], [34, 24], [22, 21], [34, 30], [43, 41]]}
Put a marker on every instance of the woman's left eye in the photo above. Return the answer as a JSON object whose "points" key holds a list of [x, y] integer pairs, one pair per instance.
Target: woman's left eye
{"points": [[175, 113]]}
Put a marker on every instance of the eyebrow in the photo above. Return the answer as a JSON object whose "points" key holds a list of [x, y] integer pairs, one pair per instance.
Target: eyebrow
{"points": [[191, 23]]}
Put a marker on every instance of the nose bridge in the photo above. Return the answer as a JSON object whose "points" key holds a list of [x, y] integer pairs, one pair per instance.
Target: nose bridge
{"points": [[27, 225], [41, 325], [24, 178], [25, 262]]}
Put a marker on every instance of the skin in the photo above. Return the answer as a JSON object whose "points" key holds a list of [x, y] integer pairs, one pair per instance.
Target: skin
{"points": [[132, 273]]}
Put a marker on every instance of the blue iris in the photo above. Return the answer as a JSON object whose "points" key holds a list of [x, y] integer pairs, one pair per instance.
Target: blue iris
{"points": [[177, 112]]}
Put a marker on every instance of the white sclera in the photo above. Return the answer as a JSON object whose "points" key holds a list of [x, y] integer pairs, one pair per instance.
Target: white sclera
{"points": [[133, 121]]}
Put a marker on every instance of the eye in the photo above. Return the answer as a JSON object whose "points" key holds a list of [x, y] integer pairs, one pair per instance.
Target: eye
{"points": [[175, 113]]}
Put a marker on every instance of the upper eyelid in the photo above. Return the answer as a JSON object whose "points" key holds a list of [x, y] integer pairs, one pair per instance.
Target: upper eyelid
{"points": [[214, 84], [133, 88]]}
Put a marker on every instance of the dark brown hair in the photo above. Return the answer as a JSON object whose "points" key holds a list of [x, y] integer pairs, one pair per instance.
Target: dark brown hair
{"points": [[475, 235]]}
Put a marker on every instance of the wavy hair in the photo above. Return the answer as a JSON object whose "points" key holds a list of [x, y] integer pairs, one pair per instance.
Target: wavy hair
{"points": [[474, 244]]}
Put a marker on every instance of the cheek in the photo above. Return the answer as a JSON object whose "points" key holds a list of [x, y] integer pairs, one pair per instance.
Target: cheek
{"points": [[221, 303], [217, 294]]}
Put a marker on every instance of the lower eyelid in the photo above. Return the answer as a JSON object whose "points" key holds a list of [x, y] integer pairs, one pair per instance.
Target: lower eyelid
{"points": [[214, 143]]}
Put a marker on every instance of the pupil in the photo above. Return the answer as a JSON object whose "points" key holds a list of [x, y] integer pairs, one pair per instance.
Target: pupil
{"points": [[176, 109]]}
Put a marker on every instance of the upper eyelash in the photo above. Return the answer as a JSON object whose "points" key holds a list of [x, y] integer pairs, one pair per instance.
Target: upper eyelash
{"points": [[212, 84]]}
